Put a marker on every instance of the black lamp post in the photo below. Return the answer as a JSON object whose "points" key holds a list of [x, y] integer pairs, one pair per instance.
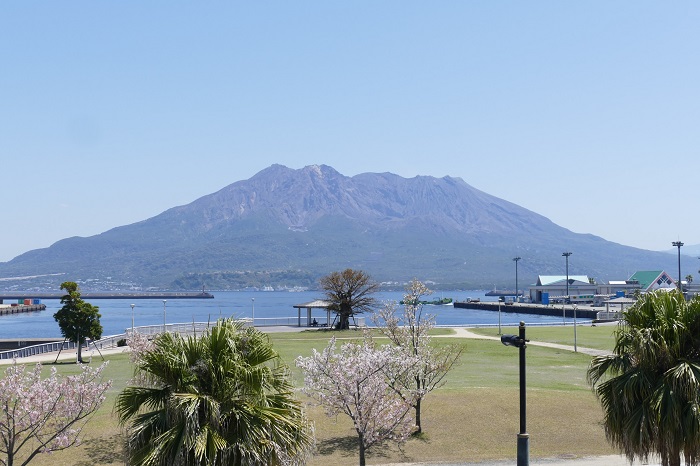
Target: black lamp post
{"points": [[567, 254], [523, 437], [516, 259], [678, 244]]}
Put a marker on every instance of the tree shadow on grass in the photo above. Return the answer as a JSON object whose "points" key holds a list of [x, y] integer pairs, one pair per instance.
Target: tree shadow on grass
{"points": [[346, 445], [103, 451]]}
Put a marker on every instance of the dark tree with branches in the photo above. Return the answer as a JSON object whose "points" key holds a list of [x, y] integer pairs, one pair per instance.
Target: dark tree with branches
{"points": [[349, 292]]}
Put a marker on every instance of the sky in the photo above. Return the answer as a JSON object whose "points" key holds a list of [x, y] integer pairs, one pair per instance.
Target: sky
{"points": [[584, 112]]}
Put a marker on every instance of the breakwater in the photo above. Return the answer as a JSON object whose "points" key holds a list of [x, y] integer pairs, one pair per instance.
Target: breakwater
{"points": [[565, 311], [18, 308], [88, 295]]}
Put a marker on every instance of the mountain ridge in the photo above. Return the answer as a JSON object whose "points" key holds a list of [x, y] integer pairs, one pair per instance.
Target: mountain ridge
{"points": [[292, 226]]}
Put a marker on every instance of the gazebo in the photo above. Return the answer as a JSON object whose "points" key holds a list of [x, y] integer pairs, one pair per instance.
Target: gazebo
{"points": [[317, 304], [621, 301]]}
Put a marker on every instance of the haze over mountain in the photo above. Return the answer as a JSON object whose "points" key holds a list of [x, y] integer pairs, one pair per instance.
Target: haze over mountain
{"points": [[289, 227]]}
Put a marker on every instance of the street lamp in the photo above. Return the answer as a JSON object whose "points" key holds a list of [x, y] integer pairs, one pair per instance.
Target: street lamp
{"points": [[499, 316], [567, 254], [516, 259], [575, 345], [519, 342], [164, 301], [253, 311], [678, 244], [132, 320]]}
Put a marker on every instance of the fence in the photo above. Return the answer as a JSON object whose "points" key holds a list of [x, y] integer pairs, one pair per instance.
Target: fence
{"points": [[192, 328]]}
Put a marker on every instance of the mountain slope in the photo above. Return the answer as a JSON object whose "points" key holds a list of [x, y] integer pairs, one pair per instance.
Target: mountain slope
{"points": [[286, 226]]}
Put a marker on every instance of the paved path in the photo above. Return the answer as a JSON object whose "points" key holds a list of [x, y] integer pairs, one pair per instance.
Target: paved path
{"points": [[463, 332], [609, 460]]}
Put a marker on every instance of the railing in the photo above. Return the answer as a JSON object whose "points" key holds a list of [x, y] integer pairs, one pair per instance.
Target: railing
{"points": [[192, 328], [612, 315], [37, 349]]}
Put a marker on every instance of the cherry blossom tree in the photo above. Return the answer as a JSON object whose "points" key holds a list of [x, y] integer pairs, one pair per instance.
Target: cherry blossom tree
{"points": [[410, 332], [42, 415], [359, 382]]}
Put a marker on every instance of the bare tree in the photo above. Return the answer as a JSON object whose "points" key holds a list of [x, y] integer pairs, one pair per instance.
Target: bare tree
{"points": [[349, 293]]}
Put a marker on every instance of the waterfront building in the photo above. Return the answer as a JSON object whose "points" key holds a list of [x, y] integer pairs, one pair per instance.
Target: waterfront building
{"points": [[653, 280], [553, 288]]}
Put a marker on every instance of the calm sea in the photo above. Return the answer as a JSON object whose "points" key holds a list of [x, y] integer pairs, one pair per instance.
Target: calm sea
{"points": [[117, 314]]}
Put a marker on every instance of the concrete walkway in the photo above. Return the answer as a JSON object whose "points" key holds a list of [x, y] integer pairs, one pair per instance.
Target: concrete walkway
{"points": [[463, 332], [609, 460]]}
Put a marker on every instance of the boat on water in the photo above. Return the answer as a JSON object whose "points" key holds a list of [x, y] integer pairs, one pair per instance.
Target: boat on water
{"points": [[496, 292], [434, 302]]}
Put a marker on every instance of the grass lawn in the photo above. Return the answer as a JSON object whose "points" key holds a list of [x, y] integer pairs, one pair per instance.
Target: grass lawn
{"points": [[598, 337], [474, 417]]}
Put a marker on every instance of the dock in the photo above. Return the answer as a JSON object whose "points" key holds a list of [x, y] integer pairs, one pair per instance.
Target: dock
{"points": [[19, 308], [566, 310], [90, 295]]}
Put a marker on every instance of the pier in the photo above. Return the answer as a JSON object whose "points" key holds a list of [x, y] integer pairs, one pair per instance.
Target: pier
{"points": [[18, 308], [90, 295], [565, 310]]}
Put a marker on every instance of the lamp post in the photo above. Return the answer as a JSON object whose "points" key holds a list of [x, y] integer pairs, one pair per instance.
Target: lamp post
{"points": [[132, 320], [499, 316], [516, 259], [575, 345], [523, 437], [678, 244], [164, 301], [567, 254], [252, 300]]}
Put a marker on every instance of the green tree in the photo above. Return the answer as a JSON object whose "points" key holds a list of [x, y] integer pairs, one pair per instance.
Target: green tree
{"points": [[77, 319], [649, 387], [349, 293], [223, 398]]}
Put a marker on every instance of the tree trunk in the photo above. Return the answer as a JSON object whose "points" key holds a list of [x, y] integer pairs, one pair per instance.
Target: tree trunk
{"points": [[674, 459], [417, 406], [80, 351], [362, 451]]}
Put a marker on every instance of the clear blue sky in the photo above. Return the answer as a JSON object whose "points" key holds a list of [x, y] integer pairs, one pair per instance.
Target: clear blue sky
{"points": [[585, 112]]}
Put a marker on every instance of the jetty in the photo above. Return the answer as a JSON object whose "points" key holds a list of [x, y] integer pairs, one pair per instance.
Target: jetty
{"points": [[90, 295], [19, 308], [563, 310]]}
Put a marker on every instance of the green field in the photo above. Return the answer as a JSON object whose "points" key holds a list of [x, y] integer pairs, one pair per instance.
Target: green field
{"points": [[597, 337], [474, 417]]}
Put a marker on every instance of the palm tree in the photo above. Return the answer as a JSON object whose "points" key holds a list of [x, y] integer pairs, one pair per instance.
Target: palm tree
{"points": [[223, 398], [649, 387]]}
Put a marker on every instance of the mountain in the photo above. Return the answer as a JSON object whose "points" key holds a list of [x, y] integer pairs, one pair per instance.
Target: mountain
{"points": [[289, 227]]}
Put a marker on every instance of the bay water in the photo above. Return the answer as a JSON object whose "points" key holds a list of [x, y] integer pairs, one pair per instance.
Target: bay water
{"points": [[117, 313]]}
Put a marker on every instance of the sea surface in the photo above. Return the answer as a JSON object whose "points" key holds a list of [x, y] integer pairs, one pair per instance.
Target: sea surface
{"points": [[117, 313]]}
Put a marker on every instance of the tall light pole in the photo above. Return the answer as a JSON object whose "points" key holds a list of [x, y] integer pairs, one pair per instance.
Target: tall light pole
{"points": [[519, 342], [567, 254], [164, 301], [252, 300], [132, 320], [678, 244], [575, 343], [516, 259]]}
